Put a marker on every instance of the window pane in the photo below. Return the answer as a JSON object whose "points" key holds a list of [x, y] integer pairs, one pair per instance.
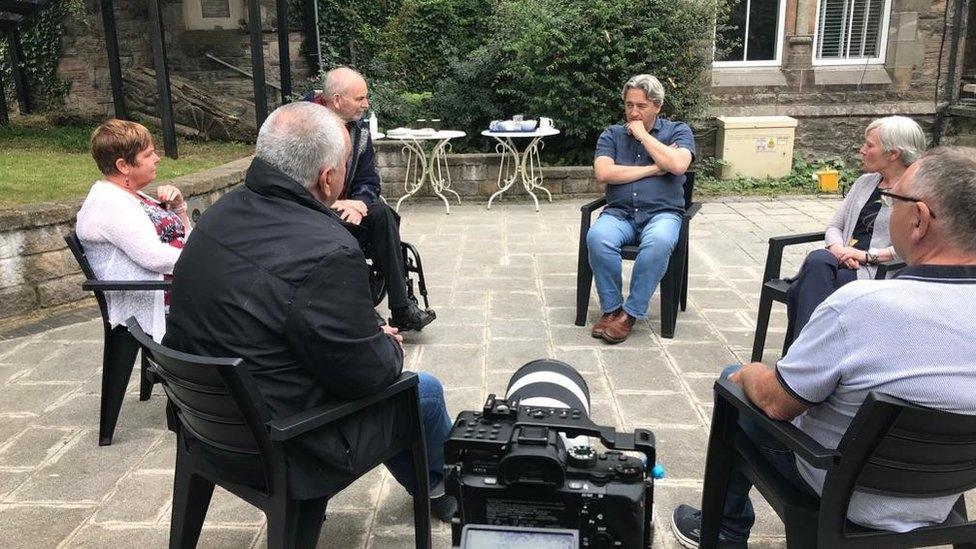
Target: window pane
{"points": [[730, 33], [763, 23]]}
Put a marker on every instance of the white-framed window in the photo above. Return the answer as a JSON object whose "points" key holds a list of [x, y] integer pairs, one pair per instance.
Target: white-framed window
{"points": [[851, 32], [750, 34]]}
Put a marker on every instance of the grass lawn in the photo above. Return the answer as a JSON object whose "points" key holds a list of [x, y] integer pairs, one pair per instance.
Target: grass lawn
{"points": [[40, 163]]}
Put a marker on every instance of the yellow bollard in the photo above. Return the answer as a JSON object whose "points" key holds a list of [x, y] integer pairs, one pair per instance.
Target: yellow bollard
{"points": [[828, 180]]}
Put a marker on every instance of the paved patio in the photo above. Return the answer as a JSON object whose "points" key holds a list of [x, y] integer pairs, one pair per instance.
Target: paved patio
{"points": [[503, 284]]}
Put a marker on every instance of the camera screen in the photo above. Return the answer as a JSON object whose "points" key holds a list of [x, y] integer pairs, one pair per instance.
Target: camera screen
{"points": [[478, 536]]}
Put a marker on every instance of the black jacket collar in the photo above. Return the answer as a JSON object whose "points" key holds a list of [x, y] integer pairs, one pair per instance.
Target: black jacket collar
{"points": [[266, 180], [952, 274]]}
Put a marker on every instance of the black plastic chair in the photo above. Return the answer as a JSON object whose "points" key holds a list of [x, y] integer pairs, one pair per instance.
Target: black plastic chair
{"points": [[411, 264], [774, 288], [215, 401], [119, 349], [674, 285], [891, 448]]}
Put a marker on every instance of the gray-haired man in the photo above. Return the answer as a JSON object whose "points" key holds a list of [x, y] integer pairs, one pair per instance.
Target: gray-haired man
{"points": [[274, 278], [909, 337], [642, 163]]}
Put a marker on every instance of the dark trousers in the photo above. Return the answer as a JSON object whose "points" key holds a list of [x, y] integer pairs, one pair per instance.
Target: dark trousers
{"points": [[819, 276], [738, 514], [379, 236]]}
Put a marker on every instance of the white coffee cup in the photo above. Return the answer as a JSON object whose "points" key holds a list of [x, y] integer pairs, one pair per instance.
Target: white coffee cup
{"points": [[545, 122]]}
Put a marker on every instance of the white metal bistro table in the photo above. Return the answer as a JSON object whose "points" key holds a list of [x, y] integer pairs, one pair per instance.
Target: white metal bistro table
{"points": [[521, 166], [424, 167]]}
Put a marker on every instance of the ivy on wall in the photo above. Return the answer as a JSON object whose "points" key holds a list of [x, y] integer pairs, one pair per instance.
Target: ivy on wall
{"points": [[40, 43]]}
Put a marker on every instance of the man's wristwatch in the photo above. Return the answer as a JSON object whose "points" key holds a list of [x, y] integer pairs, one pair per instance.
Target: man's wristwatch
{"points": [[870, 258]]}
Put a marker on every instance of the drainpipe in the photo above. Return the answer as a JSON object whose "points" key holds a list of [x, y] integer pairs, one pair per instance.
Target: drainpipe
{"points": [[951, 83]]}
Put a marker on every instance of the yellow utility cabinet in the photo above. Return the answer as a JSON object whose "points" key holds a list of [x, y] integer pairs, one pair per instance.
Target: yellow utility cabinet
{"points": [[756, 146]]}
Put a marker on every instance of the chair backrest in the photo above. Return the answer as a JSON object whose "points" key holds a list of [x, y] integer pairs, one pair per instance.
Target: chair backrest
{"points": [[213, 398], [77, 250], [896, 448]]}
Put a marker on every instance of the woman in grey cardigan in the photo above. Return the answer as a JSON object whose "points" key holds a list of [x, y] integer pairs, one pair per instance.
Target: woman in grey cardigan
{"points": [[857, 237]]}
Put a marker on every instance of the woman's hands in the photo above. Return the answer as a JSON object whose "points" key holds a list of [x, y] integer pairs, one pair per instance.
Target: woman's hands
{"points": [[848, 256], [172, 198]]}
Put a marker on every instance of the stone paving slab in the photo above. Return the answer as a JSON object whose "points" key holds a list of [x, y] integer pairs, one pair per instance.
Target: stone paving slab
{"points": [[503, 284]]}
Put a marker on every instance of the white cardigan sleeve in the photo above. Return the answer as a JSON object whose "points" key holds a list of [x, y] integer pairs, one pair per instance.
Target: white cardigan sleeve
{"points": [[112, 215]]}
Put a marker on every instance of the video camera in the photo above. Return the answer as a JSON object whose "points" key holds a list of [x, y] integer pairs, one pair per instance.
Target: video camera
{"points": [[511, 464]]}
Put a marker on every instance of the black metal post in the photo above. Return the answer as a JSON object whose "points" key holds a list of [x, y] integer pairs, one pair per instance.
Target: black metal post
{"points": [[114, 66], [20, 81], [162, 78], [284, 56], [4, 118], [310, 22], [257, 62]]}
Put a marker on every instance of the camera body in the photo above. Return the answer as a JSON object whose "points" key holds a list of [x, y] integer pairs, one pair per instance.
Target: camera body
{"points": [[508, 465]]}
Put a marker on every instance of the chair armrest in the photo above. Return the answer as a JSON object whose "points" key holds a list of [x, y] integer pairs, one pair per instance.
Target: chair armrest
{"points": [[298, 424], [801, 443], [591, 206], [774, 257], [112, 285], [693, 210]]}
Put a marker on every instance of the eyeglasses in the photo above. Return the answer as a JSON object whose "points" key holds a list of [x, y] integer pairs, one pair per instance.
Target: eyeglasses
{"points": [[888, 197]]}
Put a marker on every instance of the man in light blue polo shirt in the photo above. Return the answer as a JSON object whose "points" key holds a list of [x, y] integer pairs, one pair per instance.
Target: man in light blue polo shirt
{"points": [[642, 163], [910, 337]]}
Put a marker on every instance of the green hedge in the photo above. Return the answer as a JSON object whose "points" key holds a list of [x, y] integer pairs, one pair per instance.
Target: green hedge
{"points": [[568, 60]]}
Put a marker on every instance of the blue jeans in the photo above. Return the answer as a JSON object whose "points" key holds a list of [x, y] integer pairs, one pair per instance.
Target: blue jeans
{"points": [[437, 424], [738, 515], [656, 240]]}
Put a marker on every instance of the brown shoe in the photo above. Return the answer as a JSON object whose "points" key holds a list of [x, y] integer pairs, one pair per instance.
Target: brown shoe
{"points": [[618, 328], [601, 325]]}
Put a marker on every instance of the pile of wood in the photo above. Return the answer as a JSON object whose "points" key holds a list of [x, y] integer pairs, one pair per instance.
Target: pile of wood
{"points": [[194, 108]]}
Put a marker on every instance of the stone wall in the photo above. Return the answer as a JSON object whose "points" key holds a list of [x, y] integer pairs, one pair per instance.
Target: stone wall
{"points": [[905, 83], [475, 177], [37, 271]]}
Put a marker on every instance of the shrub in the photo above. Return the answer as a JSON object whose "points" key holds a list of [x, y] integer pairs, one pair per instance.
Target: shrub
{"points": [[568, 60]]}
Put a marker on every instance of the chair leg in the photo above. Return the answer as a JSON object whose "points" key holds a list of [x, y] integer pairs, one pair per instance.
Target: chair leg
{"points": [[584, 280], [669, 300], [684, 283], [421, 483], [762, 326], [719, 462], [191, 499], [283, 524], [118, 358], [146, 379]]}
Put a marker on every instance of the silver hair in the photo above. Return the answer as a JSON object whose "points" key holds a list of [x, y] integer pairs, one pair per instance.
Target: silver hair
{"points": [[650, 85], [301, 139], [946, 178], [332, 84], [900, 133]]}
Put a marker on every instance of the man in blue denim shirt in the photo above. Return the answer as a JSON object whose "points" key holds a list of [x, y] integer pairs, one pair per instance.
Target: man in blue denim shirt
{"points": [[642, 163]]}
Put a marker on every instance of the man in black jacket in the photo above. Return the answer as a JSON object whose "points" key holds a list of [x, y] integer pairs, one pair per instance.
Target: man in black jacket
{"points": [[369, 219], [273, 277]]}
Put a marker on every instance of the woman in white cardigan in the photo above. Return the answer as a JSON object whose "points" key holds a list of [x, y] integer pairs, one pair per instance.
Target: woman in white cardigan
{"points": [[857, 237], [127, 234]]}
